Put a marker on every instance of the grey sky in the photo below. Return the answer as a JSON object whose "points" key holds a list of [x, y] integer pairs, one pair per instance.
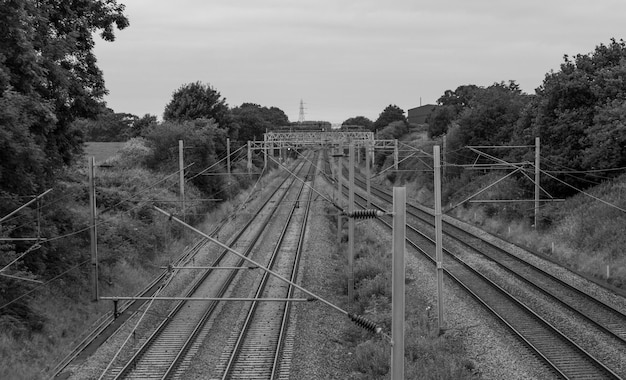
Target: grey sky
{"points": [[344, 58]]}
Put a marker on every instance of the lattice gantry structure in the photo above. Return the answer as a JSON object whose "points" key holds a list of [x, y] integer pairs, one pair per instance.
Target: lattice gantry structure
{"points": [[280, 141], [299, 139]]}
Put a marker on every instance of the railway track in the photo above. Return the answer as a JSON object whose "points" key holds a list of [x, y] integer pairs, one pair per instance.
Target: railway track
{"points": [[257, 350], [166, 352], [564, 354], [109, 323]]}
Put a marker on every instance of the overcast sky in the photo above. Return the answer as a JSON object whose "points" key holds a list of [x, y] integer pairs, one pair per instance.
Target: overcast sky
{"points": [[343, 58]]}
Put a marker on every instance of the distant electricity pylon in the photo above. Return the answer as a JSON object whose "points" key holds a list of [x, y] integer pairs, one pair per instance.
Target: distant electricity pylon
{"points": [[301, 117]]}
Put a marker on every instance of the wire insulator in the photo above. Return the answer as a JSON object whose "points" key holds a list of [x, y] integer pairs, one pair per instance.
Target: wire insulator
{"points": [[364, 214], [365, 323]]}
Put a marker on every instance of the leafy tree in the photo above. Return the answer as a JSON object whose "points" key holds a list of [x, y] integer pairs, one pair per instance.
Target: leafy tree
{"points": [[47, 67], [360, 120], [205, 140], [489, 118], [492, 114], [390, 114], [199, 101], [108, 126], [579, 111], [253, 120], [23, 158], [607, 137], [459, 98], [451, 103], [439, 120], [143, 124]]}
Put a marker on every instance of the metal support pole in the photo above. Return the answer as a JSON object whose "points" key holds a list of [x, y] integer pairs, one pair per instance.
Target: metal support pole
{"points": [[537, 177], [438, 238], [116, 313], [395, 154], [373, 153], [249, 157], [264, 152], [339, 176], [92, 230], [443, 154], [181, 177], [228, 158], [368, 174], [397, 283], [351, 226]]}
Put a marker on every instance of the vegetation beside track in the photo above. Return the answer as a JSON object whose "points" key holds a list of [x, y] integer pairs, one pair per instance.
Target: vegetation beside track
{"points": [[581, 233], [39, 323], [427, 355]]}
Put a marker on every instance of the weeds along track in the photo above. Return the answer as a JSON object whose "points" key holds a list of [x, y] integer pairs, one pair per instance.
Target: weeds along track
{"points": [[167, 351], [256, 350], [547, 314]]}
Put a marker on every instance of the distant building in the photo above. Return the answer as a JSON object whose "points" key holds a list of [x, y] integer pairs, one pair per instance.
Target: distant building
{"points": [[419, 114]]}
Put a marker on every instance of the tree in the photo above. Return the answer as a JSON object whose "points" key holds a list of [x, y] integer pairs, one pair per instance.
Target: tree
{"points": [[23, 159], [361, 121], [579, 111], [47, 66], [108, 126], [209, 142], [199, 101], [390, 114], [451, 103], [142, 125], [459, 98], [489, 118], [253, 120], [439, 120]]}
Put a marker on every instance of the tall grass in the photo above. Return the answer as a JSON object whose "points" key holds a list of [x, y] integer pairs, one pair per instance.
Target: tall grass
{"points": [[427, 355], [580, 233]]}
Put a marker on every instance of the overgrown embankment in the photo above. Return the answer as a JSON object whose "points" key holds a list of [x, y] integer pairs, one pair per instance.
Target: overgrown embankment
{"points": [[584, 232], [427, 355], [46, 308]]}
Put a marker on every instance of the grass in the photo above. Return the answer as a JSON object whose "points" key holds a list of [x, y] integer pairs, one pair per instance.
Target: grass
{"points": [[582, 234], [427, 355]]}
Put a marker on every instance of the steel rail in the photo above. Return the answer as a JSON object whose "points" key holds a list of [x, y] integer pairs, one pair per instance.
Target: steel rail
{"points": [[108, 324], [131, 364], [565, 357], [242, 341], [605, 317], [583, 355]]}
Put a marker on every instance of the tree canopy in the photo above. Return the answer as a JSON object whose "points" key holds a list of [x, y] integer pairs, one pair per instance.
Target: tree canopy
{"points": [[579, 111], [253, 120], [108, 126], [361, 121], [48, 78], [199, 101], [390, 114]]}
